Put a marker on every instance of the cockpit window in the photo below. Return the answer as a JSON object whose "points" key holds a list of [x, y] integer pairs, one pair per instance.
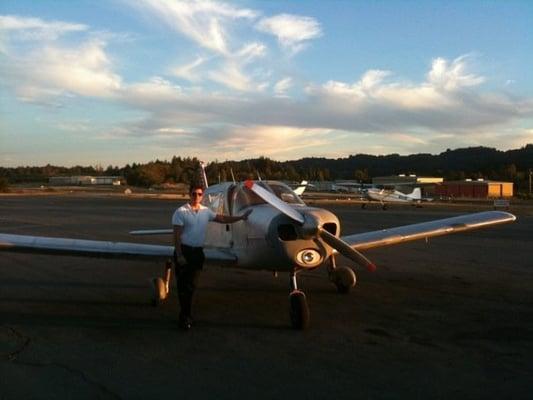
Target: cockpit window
{"points": [[244, 197], [284, 193], [214, 201]]}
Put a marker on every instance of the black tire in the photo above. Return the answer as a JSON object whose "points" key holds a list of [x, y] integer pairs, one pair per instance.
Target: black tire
{"points": [[299, 310], [344, 279]]}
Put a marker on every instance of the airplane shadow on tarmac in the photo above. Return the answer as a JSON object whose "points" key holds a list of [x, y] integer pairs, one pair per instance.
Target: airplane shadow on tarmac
{"points": [[40, 306], [127, 323]]}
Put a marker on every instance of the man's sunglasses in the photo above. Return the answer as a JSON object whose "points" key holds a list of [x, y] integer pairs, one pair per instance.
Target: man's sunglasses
{"points": [[199, 194]]}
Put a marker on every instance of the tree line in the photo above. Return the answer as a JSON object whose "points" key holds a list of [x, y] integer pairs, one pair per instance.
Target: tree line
{"points": [[472, 162]]}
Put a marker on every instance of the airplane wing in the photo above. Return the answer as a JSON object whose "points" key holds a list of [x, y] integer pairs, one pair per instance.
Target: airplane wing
{"points": [[407, 233], [99, 249]]}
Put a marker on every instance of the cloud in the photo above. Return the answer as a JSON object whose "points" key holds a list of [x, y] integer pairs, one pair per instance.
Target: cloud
{"points": [[53, 71], [27, 28], [292, 31], [452, 76], [207, 23], [250, 52], [411, 116], [189, 71], [151, 93], [231, 75], [201, 21], [281, 86]]}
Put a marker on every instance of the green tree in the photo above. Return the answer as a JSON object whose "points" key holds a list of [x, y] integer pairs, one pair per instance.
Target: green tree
{"points": [[4, 184]]}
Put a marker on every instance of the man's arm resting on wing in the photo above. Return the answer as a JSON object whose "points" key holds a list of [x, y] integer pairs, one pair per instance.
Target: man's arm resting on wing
{"points": [[228, 219]]}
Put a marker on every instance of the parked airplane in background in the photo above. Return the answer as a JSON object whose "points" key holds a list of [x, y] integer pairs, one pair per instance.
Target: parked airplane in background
{"points": [[385, 196], [301, 188], [281, 234]]}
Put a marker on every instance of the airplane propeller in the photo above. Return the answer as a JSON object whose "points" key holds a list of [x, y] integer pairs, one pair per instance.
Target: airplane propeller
{"points": [[275, 202], [311, 226], [342, 247]]}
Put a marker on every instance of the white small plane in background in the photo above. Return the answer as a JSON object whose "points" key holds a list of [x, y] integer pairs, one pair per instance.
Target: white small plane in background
{"points": [[385, 196], [301, 188], [281, 234]]}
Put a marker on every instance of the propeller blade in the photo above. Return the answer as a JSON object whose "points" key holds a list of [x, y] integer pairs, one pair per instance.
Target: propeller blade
{"points": [[345, 249], [274, 201]]}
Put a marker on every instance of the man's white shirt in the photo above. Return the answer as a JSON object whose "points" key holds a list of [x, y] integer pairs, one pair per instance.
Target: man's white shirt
{"points": [[194, 223]]}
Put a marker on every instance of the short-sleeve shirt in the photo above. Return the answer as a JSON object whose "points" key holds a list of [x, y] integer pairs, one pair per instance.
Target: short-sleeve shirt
{"points": [[194, 223]]}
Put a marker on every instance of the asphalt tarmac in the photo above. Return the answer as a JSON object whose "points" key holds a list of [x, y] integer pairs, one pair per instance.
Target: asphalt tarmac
{"points": [[448, 319]]}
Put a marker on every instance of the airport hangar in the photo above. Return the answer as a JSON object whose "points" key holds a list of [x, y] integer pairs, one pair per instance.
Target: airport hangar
{"points": [[477, 189], [437, 187]]}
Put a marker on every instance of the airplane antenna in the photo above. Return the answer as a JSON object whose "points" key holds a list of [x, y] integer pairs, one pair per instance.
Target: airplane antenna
{"points": [[232, 176], [258, 176], [204, 176]]}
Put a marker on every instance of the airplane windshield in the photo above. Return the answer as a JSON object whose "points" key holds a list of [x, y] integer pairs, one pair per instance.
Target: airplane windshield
{"points": [[245, 197], [283, 192]]}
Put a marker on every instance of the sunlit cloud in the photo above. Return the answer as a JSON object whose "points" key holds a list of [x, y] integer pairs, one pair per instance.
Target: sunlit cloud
{"points": [[292, 31], [452, 76], [52, 71], [410, 115], [234, 77], [155, 91], [201, 21], [232, 94], [29, 28]]}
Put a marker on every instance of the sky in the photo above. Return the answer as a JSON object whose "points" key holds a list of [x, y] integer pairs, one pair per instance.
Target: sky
{"points": [[112, 82]]}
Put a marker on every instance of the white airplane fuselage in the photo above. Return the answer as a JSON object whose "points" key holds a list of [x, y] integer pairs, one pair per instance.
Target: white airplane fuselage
{"points": [[393, 196], [268, 240]]}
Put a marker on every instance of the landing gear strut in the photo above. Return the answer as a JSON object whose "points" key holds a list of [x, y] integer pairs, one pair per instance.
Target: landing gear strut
{"points": [[299, 310], [342, 277], [160, 286]]}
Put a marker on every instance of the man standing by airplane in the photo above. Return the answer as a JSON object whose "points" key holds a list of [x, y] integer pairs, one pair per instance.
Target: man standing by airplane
{"points": [[190, 226]]}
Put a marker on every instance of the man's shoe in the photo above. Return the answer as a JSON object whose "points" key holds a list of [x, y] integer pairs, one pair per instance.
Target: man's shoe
{"points": [[185, 323]]}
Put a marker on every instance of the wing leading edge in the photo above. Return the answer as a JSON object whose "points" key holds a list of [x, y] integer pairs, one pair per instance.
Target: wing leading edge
{"points": [[99, 249], [440, 227]]}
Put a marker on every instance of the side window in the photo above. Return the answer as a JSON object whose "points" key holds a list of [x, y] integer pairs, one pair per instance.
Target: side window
{"points": [[240, 200], [214, 201]]}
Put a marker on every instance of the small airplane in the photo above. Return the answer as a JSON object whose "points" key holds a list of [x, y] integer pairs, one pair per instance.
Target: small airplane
{"points": [[385, 196], [301, 188], [281, 234]]}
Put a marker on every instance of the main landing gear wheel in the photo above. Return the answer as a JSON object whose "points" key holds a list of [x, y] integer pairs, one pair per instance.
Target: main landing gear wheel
{"points": [[299, 310], [160, 286], [344, 279]]}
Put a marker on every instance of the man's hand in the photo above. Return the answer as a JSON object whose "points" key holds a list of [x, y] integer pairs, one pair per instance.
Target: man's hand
{"points": [[244, 217]]}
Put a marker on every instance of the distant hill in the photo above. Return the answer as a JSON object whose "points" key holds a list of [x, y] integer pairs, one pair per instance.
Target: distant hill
{"points": [[478, 161], [471, 162]]}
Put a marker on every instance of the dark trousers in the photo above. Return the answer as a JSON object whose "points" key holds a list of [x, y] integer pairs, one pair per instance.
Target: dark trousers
{"points": [[187, 276]]}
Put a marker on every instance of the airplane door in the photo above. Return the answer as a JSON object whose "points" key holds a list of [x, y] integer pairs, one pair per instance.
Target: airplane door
{"points": [[218, 235]]}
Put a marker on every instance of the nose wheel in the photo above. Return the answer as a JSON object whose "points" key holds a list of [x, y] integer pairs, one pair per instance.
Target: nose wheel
{"points": [[160, 285], [299, 310]]}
